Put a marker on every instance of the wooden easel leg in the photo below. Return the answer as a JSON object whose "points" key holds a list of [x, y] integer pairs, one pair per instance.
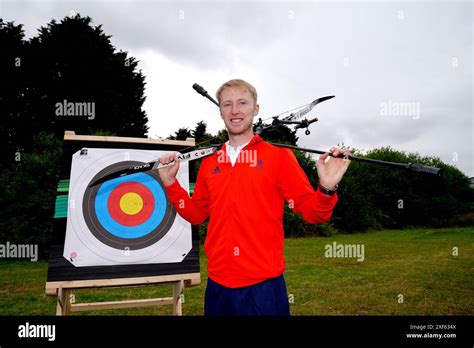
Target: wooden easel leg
{"points": [[63, 305], [177, 291]]}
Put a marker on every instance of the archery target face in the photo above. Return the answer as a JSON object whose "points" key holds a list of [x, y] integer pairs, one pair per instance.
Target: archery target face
{"points": [[126, 220]]}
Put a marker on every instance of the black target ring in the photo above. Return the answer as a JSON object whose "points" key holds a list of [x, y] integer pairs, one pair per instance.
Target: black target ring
{"points": [[109, 237]]}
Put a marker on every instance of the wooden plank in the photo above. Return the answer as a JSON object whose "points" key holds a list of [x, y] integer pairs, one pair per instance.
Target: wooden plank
{"points": [[59, 301], [189, 283], [177, 292], [71, 136], [52, 287], [80, 307], [63, 305]]}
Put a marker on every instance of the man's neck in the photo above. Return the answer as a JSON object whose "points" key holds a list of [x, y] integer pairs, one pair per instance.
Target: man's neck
{"points": [[241, 139]]}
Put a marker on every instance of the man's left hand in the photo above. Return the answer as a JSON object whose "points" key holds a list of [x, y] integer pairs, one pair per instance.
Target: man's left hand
{"points": [[330, 172]]}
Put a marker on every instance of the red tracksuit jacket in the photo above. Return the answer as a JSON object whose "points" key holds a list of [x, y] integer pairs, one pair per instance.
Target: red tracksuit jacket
{"points": [[244, 242]]}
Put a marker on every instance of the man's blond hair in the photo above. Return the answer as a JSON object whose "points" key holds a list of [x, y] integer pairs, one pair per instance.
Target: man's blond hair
{"points": [[238, 83]]}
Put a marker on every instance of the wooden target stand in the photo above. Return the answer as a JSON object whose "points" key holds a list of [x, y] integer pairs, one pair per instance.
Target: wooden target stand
{"points": [[63, 278], [64, 291]]}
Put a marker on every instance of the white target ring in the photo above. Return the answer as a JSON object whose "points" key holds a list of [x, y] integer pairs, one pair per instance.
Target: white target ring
{"points": [[127, 220]]}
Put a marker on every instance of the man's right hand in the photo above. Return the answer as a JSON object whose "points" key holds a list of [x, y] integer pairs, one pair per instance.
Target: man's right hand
{"points": [[168, 174]]}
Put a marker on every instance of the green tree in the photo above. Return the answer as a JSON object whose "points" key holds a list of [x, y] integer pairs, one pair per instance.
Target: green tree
{"points": [[29, 193], [12, 89], [70, 61], [74, 62], [281, 134], [374, 197], [181, 134], [200, 133]]}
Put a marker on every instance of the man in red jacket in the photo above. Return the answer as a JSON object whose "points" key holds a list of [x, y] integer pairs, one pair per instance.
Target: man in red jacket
{"points": [[242, 189]]}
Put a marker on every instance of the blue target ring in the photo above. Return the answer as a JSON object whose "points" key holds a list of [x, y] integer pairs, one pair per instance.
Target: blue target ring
{"points": [[137, 231], [113, 228]]}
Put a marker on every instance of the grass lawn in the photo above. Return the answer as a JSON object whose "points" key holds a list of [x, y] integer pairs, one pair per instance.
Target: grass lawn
{"points": [[405, 272]]}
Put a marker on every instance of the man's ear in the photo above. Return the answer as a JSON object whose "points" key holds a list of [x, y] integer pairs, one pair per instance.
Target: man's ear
{"points": [[256, 110]]}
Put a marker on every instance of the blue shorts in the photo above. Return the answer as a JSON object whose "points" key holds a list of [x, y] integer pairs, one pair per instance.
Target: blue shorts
{"points": [[268, 298]]}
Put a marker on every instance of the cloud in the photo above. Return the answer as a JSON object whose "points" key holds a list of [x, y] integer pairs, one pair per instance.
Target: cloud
{"points": [[365, 53]]}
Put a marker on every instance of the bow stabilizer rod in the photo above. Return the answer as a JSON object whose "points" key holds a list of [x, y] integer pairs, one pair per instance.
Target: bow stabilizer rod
{"points": [[416, 167], [204, 93]]}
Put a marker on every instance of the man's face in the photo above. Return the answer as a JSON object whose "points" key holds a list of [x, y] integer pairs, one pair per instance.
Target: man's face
{"points": [[237, 110]]}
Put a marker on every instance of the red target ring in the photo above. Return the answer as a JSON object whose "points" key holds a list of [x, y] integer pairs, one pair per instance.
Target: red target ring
{"points": [[138, 190]]}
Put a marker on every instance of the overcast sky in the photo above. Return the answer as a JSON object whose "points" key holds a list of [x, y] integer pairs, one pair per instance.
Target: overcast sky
{"points": [[402, 72]]}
